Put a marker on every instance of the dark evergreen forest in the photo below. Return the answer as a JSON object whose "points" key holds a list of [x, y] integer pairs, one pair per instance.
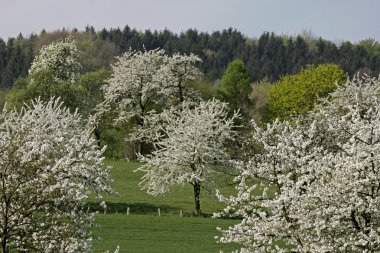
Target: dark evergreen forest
{"points": [[269, 56]]}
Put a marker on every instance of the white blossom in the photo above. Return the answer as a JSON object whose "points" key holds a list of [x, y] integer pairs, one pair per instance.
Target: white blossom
{"points": [[175, 74], [49, 164], [143, 81], [61, 59], [132, 89], [314, 185], [189, 141]]}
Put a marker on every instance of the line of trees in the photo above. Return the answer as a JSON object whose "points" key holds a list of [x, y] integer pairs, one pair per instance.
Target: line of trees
{"points": [[269, 56]]}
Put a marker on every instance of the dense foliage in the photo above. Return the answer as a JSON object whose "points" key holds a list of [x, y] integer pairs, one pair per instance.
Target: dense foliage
{"points": [[60, 59], [269, 56], [54, 73], [143, 83], [296, 94], [313, 185], [235, 87], [189, 143], [49, 165]]}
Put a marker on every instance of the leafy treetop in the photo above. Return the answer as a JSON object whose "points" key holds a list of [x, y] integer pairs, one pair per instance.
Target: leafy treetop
{"points": [[296, 94]]}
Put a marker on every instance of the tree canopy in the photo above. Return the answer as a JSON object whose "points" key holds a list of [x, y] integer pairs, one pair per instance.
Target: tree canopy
{"points": [[53, 73], [296, 94], [190, 142], [269, 56], [313, 184], [49, 165], [235, 86], [60, 59], [145, 82]]}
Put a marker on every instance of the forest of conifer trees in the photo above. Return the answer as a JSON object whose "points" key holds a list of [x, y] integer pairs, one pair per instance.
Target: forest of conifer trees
{"points": [[269, 56]]}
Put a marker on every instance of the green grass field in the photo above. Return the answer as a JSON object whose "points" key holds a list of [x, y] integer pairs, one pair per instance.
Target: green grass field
{"points": [[143, 230]]}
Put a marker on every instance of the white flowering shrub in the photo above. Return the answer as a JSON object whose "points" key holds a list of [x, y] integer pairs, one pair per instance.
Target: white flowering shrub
{"points": [[49, 164], [60, 59], [314, 184], [189, 141]]}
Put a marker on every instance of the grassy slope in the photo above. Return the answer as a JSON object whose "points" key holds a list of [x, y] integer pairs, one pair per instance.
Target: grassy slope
{"points": [[143, 230]]}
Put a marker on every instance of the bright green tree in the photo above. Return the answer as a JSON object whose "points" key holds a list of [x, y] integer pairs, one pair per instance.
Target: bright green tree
{"points": [[236, 86], [296, 94], [91, 84], [43, 86], [105, 133]]}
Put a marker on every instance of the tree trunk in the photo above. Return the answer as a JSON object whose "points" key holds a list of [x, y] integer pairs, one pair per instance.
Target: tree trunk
{"points": [[181, 99], [197, 193], [4, 242], [97, 136], [5, 226]]}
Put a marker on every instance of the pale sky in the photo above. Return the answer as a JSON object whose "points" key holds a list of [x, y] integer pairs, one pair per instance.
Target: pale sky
{"points": [[334, 20]]}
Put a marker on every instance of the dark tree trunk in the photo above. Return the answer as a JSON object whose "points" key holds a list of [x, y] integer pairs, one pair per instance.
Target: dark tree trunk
{"points": [[180, 90], [4, 242], [97, 136], [5, 226], [197, 194], [144, 148]]}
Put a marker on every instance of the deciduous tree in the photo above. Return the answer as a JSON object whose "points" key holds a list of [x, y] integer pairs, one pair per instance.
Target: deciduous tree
{"points": [[236, 87], [177, 71], [313, 185], [141, 81], [189, 143], [145, 82], [296, 94], [54, 73], [49, 164], [60, 59], [134, 86]]}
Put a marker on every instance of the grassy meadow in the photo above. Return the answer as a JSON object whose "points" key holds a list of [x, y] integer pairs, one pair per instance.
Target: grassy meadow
{"points": [[143, 230]]}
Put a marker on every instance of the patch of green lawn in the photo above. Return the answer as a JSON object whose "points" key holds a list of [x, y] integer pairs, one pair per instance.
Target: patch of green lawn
{"points": [[153, 234], [143, 230], [139, 202]]}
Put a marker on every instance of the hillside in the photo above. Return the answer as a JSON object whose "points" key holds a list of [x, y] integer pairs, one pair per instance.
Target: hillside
{"points": [[269, 56]]}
